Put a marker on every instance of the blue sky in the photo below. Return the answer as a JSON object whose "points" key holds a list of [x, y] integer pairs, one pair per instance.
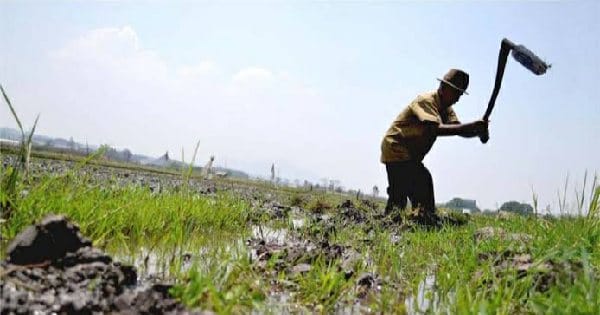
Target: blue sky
{"points": [[312, 86]]}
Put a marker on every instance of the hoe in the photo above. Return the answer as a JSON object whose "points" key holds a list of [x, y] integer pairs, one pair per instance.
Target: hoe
{"points": [[525, 57]]}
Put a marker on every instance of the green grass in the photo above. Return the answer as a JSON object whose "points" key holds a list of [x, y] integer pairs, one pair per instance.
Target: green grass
{"points": [[129, 215], [126, 219], [451, 254], [225, 283]]}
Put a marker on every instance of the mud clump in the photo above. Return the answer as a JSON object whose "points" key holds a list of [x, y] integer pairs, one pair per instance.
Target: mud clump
{"points": [[294, 253], [544, 273], [349, 213], [52, 268], [517, 263], [297, 258], [367, 283], [49, 240]]}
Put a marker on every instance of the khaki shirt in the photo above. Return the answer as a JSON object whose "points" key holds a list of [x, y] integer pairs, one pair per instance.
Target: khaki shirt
{"points": [[413, 132]]}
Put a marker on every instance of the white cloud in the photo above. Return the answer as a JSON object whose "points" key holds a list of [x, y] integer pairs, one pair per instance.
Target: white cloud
{"points": [[116, 39], [102, 43], [253, 76], [109, 54], [123, 94], [204, 68]]}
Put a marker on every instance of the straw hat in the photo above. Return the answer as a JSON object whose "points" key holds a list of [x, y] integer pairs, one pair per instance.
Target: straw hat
{"points": [[457, 79]]}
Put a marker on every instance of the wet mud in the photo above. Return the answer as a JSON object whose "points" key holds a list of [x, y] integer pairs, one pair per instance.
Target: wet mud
{"points": [[51, 268]]}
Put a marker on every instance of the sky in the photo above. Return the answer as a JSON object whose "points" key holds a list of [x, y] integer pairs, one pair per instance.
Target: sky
{"points": [[313, 86]]}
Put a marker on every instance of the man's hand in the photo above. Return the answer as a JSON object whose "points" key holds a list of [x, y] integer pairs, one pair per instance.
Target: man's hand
{"points": [[477, 128]]}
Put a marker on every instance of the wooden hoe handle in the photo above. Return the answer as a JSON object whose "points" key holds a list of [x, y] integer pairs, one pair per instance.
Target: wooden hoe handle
{"points": [[505, 48]]}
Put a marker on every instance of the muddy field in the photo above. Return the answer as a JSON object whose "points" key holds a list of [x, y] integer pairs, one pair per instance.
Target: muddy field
{"points": [[287, 252]]}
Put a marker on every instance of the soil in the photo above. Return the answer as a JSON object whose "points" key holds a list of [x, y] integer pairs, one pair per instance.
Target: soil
{"points": [[51, 268]]}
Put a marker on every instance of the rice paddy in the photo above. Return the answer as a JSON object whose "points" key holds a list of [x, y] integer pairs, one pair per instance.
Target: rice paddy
{"points": [[246, 247]]}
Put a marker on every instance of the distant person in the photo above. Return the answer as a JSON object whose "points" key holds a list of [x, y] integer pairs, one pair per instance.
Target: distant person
{"points": [[273, 172], [208, 168], [375, 191], [411, 136]]}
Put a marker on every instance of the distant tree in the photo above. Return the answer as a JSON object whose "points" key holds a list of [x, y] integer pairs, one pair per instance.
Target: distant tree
{"points": [[112, 154], [106, 150], [517, 207], [324, 182], [334, 184], [127, 155]]}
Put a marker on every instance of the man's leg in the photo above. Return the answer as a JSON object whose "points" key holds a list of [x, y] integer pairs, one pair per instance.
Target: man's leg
{"points": [[421, 195], [397, 186]]}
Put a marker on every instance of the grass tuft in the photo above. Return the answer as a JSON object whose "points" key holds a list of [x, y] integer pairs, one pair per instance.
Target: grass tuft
{"points": [[11, 181]]}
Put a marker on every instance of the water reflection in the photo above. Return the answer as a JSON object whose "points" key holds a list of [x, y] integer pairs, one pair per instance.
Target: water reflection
{"points": [[425, 298]]}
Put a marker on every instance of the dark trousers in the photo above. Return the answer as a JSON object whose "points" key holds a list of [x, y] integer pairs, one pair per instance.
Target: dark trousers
{"points": [[412, 180]]}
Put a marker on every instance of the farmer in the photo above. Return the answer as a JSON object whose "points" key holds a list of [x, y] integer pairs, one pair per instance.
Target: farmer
{"points": [[412, 135]]}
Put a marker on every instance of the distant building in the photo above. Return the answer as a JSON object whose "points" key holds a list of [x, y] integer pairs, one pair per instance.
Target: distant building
{"points": [[9, 143], [461, 204], [60, 144], [469, 204], [221, 174]]}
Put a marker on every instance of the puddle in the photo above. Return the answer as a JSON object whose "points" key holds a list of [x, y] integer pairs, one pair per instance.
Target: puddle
{"points": [[356, 308], [150, 264], [298, 223], [154, 264], [165, 264], [160, 265], [425, 298], [280, 303], [283, 303], [269, 235]]}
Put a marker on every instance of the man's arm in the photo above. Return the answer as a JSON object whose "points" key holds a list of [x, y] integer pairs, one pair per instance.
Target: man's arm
{"points": [[468, 130]]}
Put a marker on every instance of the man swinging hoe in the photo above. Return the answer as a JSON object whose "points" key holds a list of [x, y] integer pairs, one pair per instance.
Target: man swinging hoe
{"points": [[430, 115], [411, 136]]}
